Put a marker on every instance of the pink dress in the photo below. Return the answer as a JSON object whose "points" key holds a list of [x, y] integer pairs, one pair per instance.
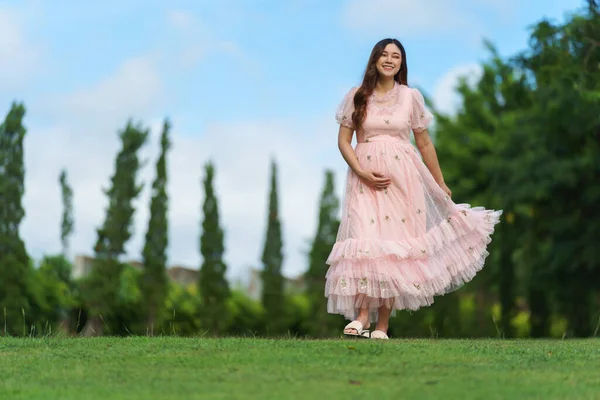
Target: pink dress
{"points": [[402, 246]]}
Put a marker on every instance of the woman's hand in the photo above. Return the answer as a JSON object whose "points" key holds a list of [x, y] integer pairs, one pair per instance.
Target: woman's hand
{"points": [[375, 180], [445, 189]]}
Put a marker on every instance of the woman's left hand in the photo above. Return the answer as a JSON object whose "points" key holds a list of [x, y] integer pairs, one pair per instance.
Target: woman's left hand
{"points": [[446, 189]]}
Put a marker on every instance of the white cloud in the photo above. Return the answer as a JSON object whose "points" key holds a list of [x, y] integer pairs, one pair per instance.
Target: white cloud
{"points": [[194, 40], [83, 139], [18, 56], [134, 88], [445, 97], [180, 19], [411, 18], [402, 17], [190, 56]]}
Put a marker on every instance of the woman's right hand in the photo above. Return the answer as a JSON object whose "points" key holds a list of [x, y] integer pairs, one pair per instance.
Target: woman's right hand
{"points": [[375, 180]]}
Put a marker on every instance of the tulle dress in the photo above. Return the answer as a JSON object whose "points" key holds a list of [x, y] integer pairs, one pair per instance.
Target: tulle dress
{"points": [[402, 246]]}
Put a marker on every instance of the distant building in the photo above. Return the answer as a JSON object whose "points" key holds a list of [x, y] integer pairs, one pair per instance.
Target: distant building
{"points": [[184, 276], [135, 264], [290, 285], [82, 266]]}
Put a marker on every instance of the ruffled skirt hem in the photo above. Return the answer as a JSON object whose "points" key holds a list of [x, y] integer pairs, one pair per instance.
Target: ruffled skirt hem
{"points": [[407, 274]]}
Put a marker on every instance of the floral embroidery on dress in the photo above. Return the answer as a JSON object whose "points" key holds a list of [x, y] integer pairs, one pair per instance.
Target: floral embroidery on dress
{"points": [[363, 283]]}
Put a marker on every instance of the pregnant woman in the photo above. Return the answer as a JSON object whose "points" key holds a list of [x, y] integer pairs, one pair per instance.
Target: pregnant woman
{"points": [[402, 240]]}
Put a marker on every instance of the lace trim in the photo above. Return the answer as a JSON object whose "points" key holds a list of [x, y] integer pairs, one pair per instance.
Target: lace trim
{"points": [[387, 101], [391, 95]]}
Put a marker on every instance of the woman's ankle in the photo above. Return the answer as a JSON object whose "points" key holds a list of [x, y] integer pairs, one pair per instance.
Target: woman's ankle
{"points": [[363, 317]]}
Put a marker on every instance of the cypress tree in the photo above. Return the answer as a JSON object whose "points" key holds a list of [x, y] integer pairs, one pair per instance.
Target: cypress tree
{"points": [[320, 323], [212, 282], [102, 285], [66, 228], [273, 284], [15, 271], [154, 282]]}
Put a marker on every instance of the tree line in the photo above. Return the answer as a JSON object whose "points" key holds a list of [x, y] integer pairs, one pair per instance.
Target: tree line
{"points": [[526, 139]]}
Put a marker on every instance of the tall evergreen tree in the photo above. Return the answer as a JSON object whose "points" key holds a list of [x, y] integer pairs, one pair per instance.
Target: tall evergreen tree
{"points": [[273, 298], [470, 141], [212, 282], [528, 138], [102, 285], [66, 228], [557, 180], [320, 322], [154, 282], [15, 271]]}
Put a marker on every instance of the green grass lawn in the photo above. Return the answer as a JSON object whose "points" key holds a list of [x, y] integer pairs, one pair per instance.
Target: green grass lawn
{"points": [[178, 368]]}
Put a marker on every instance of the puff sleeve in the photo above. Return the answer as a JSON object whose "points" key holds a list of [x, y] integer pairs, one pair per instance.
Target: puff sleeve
{"points": [[343, 114], [420, 117]]}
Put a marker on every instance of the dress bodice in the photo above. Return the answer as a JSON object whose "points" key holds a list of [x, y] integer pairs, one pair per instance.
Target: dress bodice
{"points": [[395, 113]]}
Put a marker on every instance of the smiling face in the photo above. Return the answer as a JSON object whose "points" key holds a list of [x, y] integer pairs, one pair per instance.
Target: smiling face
{"points": [[390, 61], [386, 61]]}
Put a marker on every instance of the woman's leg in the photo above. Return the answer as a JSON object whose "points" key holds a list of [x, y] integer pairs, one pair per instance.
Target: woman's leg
{"points": [[384, 319]]}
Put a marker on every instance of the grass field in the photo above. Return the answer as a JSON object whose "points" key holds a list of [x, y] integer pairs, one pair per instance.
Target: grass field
{"points": [[177, 368]]}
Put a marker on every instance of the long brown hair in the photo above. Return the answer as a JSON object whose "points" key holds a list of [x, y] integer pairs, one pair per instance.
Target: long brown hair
{"points": [[370, 80]]}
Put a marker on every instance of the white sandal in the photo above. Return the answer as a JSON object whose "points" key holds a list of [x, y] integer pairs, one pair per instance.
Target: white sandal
{"points": [[358, 327], [377, 334]]}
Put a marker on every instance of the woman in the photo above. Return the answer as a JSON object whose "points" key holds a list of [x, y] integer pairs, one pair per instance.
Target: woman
{"points": [[402, 240]]}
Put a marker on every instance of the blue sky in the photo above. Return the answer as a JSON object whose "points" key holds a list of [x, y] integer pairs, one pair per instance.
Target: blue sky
{"points": [[242, 81]]}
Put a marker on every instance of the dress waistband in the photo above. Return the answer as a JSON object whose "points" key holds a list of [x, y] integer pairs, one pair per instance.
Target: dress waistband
{"points": [[385, 138]]}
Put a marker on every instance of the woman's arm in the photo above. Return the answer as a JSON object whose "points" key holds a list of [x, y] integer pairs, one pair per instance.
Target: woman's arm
{"points": [[345, 146], [427, 150], [374, 179]]}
